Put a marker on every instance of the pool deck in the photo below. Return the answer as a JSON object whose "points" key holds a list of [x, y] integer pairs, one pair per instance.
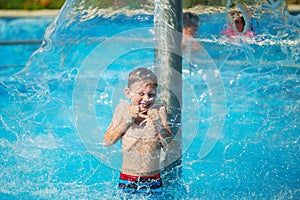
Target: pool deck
{"points": [[38, 13], [293, 7], [27, 13]]}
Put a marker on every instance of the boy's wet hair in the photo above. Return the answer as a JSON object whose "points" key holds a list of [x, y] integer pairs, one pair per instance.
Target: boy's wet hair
{"points": [[142, 75], [190, 19]]}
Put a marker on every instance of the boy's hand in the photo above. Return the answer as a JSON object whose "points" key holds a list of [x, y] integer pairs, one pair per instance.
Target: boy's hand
{"points": [[127, 117], [133, 112], [154, 116]]}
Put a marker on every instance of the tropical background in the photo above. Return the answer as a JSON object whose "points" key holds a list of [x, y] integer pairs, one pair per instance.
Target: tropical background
{"points": [[56, 4]]}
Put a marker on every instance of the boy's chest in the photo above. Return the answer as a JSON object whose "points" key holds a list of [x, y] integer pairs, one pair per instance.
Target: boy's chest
{"points": [[140, 138]]}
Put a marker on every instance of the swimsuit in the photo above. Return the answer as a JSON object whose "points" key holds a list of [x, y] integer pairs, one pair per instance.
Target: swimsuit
{"points": [[143, 184], [231, 32]]}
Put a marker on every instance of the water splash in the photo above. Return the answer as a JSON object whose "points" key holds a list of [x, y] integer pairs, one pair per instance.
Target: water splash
{"points": [[254, 157]]}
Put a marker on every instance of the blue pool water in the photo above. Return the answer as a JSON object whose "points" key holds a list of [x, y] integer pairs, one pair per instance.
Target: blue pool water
{"points": [[55, 109], [19, 38]]}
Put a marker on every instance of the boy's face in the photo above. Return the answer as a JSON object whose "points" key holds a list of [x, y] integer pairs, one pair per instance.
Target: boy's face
{"points": [[142, 95]]}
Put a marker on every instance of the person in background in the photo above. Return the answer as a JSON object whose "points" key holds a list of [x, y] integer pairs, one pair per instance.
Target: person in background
{"points": [[190, 24], [190, 30], [237, 25]]}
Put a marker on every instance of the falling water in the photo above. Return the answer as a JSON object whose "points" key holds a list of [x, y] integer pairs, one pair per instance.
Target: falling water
{"points": [[240, 95]]}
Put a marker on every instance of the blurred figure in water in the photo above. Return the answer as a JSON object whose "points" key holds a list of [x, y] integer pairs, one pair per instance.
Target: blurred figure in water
{"points": [[190, 31], [190, 24], [236, 25]]}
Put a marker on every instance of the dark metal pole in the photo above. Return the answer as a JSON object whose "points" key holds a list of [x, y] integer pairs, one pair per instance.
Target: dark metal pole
{"points": [[168, 63]]}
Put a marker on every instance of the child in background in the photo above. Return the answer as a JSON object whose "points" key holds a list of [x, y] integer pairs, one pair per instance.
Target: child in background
{"points": [[190, 31], [190, 24], [143, 130], [237, 25]]}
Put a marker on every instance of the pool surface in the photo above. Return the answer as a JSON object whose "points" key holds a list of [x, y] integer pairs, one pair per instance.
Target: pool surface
{"points": [[55, 109], [20, 37]]}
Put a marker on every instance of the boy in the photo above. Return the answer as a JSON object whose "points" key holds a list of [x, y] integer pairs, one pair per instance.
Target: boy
{"points": [[143, 130]]}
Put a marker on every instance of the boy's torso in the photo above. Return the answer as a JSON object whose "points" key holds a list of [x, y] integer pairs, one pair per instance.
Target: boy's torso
{"points": [[141, 150]]}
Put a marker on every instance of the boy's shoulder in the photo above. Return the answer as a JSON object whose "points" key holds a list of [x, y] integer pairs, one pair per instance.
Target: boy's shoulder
{"points": [[121, 107], [122, 104]]}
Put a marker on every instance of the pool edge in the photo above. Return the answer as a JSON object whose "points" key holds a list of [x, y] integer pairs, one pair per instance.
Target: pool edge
{"points": [[27, 13], [45, 12]]}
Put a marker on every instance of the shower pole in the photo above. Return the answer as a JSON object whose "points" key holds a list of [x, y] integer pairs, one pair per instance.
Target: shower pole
{"points": [[168, 67]]}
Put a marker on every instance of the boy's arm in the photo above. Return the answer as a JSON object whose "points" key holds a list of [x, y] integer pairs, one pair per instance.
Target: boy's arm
{"points": [[122, 118], [112, 135], [166, 136], [160, 120]]}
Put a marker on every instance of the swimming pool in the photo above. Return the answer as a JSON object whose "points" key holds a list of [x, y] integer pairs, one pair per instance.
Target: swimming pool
{"points": [[44, 152], [20, 37]]}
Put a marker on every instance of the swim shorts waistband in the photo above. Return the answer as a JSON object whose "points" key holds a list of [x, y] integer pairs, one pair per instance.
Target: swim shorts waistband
{"points": [[140, 184], [133, 178]]}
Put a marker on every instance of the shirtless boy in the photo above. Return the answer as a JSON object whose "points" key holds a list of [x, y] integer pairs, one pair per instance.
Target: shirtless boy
{"points": [[143, 130]]}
